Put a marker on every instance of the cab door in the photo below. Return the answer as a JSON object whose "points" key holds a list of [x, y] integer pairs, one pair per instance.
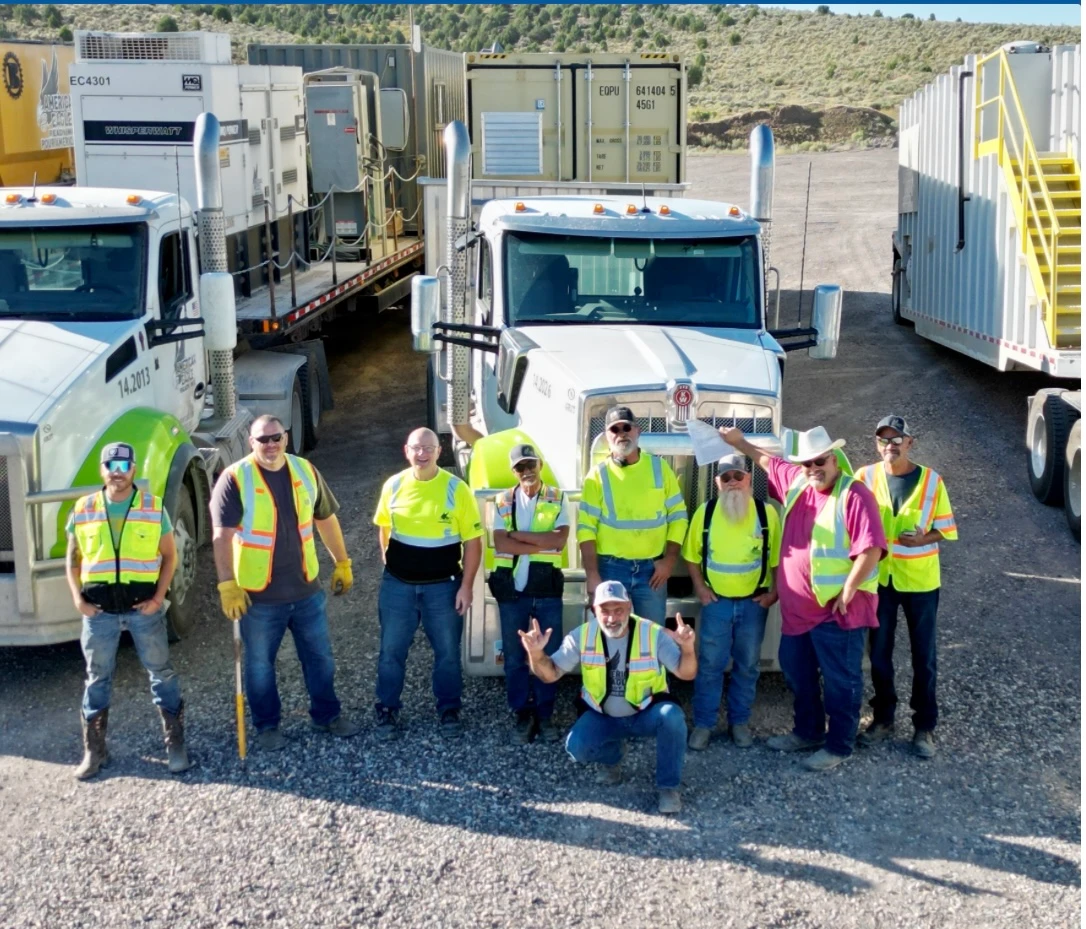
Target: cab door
{"points": [[179, 370]]}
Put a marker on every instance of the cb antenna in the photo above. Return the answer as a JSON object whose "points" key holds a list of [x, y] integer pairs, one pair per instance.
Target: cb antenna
{"points": [[644, 199], [803, 254]]}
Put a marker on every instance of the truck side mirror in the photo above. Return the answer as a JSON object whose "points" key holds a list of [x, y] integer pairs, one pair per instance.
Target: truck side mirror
{"points": [[826, 321], [425, 311], [511, 367]]}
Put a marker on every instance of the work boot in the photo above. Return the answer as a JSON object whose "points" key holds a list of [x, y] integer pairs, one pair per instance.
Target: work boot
{"points": [[524, 728], [95, 753], [344, 728], [271, 740], [742, 736], [610, 774], [548, 731], [173, 727], [875, 733], [670, 801], [451, 727], [822, 760], [924, 744], [699, 739], [790, 742], [388, 721]]}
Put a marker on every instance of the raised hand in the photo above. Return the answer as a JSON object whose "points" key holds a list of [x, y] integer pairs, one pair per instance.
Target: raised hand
{"points": [[683, 634], [534, 641]]}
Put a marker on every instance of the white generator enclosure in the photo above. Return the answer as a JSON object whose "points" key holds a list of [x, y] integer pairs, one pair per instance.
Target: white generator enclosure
{"points": [[987, 251], [135, 99]]}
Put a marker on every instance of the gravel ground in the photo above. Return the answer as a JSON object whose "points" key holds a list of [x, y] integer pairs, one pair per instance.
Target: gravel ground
{"points": [[479, 833]]}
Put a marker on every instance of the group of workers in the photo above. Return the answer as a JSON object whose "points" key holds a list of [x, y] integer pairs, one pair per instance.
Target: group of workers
{"points": [[844, 554]]}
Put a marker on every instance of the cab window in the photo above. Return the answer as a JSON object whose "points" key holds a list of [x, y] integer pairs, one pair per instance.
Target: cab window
{"points": [[174, 274]]}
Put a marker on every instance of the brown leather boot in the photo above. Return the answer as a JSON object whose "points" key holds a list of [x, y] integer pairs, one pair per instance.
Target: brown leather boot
{"points": [[173, 727], [95, 753]]}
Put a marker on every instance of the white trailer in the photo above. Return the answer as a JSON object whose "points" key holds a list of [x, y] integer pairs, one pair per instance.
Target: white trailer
{"points": [[987, 255]]}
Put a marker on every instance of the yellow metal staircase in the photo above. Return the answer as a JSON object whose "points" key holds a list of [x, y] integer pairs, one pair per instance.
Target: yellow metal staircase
{"points": [[1046, 196]]}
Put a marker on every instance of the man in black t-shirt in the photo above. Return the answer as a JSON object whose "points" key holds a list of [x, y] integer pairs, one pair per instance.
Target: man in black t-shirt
{"points": [[264, 509]]}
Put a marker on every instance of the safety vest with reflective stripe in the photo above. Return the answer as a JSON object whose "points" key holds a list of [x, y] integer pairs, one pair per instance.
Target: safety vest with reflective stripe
{"points": [[254, 542], [645, 675], [914, 570], [438, 534], [548, 507], [830, 542], [734, 560], [138, 560], [634, 523]]}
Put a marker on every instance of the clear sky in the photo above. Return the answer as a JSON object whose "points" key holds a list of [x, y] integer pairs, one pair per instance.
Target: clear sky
{"points": [[1041, 14]]}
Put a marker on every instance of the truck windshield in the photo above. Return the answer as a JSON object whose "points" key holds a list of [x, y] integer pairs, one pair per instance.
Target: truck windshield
{"points": [[78, 272], [552, 279]]}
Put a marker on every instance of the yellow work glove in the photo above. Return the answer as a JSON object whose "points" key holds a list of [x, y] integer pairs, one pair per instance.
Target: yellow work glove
{"points": [[342, 577], [235, 601]]}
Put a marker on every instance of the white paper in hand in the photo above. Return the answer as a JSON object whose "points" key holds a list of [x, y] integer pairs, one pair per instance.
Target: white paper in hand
{"points": [[708, 444]]}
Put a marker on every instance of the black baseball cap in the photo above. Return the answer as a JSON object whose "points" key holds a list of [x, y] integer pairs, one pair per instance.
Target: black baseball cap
{"points": [[619, 414], [897, 423], [117, 451]]}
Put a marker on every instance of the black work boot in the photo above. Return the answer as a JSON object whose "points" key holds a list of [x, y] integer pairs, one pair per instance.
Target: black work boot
{"points": [[95, 753], [173, 727]]}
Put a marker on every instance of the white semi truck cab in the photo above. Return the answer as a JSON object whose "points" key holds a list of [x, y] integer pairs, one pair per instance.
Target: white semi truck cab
{"points": [[108, 332], [577, 303]]}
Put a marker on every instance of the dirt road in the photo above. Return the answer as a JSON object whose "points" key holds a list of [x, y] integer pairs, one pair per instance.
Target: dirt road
{"points": [[481, 833]]}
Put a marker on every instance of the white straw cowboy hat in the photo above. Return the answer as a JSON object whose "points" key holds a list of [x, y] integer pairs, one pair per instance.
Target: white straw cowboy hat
{"points": [[805, 446]]}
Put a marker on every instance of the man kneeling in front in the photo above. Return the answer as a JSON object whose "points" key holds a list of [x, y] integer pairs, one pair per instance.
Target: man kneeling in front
{"points": [[624, 662]]}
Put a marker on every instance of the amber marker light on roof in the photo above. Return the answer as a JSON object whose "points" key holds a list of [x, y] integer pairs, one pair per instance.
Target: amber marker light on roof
{"points": [[734, 211], [133, 199], [520, 207], [665, 210], [48, 198], [631, 209], [598, 208], [13, 198]]}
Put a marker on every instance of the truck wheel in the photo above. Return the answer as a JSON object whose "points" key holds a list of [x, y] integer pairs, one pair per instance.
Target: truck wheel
{"points": [[181, 616], [1072, 481], [311, 404], [895, 292], [296, 430], [1050, 421]]}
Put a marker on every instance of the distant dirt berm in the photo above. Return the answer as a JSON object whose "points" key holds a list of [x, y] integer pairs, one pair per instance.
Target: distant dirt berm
{"points": [[793, 124]]}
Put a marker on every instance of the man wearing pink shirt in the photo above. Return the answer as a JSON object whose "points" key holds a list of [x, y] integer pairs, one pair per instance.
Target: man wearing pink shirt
{"points": [[831, 543]]}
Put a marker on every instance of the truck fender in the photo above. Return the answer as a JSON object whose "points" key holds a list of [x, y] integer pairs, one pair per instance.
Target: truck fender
{"points": [[188, 458], [265, 380], [313, 349]]}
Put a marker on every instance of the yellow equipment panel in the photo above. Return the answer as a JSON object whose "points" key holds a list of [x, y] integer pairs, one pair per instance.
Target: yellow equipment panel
{"points": [[35, 113]]}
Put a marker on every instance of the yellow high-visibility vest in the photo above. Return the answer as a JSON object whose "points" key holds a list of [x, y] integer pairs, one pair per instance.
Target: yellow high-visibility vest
{"points": [[733, 563], [645, 675], [548, 507], [913, 570], [138, 560], [254, 542], [830, 542]]}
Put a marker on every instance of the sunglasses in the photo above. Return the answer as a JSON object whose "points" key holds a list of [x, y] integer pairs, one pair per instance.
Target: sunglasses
{"points": [[420, 449], [265, 439], [118, 467], [732, 477], [620, 427], [528, 464], [817, 462], [893, 440]]}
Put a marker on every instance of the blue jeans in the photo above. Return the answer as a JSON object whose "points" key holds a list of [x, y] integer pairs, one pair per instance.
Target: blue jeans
{"points": [[262, 631], [838, 653], [596, 737], [728, 629], [401, 607], [920, 609], [523, 690], [101, 635], [635, 576]]}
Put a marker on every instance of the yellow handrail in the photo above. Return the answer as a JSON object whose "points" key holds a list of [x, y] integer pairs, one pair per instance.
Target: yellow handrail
{"points": [[1016, 147]]}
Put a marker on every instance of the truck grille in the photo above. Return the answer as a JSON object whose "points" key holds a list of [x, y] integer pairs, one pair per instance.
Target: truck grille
{"points": [[7, 536]]}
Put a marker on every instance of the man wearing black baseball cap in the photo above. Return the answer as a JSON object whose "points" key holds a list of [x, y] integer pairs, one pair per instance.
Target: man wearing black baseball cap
{"points": [[632, 519], [121, 559]]}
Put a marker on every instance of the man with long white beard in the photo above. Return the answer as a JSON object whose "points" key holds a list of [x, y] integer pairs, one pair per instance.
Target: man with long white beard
{"points": [[731, 551], [624, 663]]}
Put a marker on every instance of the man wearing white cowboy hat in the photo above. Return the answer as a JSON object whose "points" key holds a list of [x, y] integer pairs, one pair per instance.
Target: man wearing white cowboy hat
{"points": [[832, 540]]}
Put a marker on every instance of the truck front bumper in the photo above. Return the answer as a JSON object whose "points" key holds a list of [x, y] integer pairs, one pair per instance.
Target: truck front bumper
{"points": [[54, 619]]}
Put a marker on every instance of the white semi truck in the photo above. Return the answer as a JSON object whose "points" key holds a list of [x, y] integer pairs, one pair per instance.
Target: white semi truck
{"points": [[576, 302], [987, 255]]}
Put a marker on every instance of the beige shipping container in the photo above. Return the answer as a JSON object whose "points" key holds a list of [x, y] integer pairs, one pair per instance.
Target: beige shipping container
{"points": [[576, 117]]}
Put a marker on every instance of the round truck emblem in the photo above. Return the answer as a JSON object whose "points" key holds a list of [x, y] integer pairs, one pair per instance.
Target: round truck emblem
{"points": [[683, 396], [13, 75]]}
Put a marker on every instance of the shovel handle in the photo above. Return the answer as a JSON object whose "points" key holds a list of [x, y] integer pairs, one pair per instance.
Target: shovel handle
{"points": [[239, 694]]}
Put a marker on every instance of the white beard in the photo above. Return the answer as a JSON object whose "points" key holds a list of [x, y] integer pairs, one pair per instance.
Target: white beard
{"points": [[735, 504], [615, 635]]}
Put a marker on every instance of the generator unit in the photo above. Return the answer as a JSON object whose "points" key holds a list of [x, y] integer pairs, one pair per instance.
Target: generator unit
{"points": [[135, 98]]}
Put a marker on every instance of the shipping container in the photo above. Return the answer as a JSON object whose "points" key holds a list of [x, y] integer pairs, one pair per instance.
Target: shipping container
{"points": [[35, 113], [432, 80], [574, 117]]}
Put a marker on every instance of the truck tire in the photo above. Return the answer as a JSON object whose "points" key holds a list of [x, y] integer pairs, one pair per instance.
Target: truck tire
{"points": [[1050, 421], [311, 404], [181, 616], [1072, 481], [296, 430]]}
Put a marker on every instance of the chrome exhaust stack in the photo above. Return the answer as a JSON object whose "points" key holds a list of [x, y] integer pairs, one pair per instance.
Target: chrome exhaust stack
{"points": [[762, 159], [458, 162]]}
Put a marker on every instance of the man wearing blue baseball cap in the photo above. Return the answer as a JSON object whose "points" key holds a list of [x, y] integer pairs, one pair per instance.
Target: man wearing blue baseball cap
{"points": [[121, 559], [624, 663]]}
